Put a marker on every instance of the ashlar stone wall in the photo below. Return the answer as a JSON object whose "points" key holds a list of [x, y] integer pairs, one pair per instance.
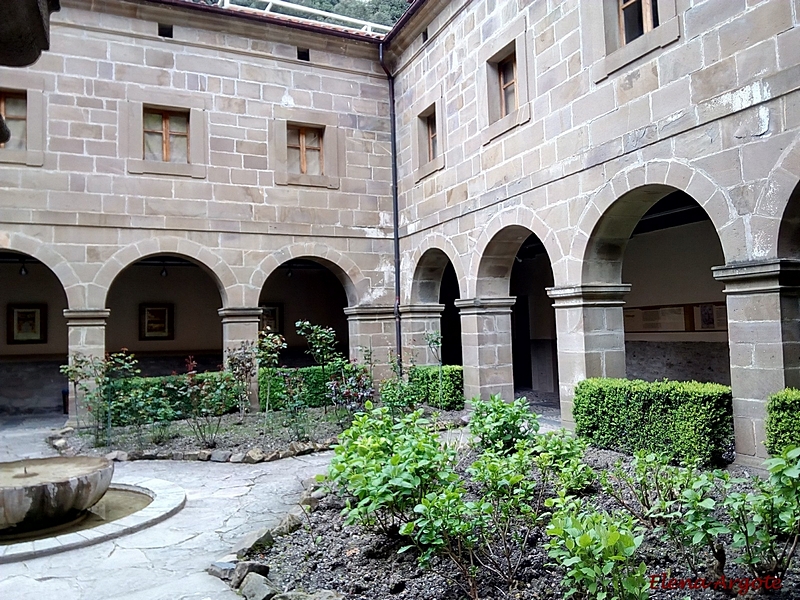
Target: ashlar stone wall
{"points": [[706, 103]]}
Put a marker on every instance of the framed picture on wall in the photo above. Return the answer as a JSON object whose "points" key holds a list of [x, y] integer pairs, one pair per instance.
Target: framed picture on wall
{"points": [[271, 318], [156, 322], [27, 324]]}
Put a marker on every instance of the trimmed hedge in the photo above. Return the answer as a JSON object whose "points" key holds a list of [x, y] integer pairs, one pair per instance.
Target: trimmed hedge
{"points": [[783, 420], [165, 392], [424, 382], [315, 390], [687, 420]]}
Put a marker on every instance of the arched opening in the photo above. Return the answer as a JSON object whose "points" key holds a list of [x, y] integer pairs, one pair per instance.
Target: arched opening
{"points": [[436, 282], [663, 243], [533, 322], [304, 289], [516, 264], [451, 320], [164, 309], [789, 233], [33, 336]]}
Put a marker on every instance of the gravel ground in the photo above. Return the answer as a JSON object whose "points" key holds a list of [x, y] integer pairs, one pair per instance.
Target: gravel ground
{"points": [[327, 554], [320, 425]]}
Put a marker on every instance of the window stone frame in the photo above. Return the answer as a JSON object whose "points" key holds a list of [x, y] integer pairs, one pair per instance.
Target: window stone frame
{"points": [[602, 19], [430, 103], [132, 127], [333, 147], [32, 86], [512, 39]]}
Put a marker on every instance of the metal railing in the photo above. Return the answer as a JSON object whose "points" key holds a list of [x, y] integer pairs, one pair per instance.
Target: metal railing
{"points": [[341, 21]]}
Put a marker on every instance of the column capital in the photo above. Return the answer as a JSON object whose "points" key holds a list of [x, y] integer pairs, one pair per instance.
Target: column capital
{"points": [[485, 305], [240, 314], [422, 310], [589, 294], [84, 317], [759, 277], [369, 313]]}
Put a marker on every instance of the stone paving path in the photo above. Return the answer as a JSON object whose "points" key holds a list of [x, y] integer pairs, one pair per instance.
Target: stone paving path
{"points": [[24, 436], [167, 561]]}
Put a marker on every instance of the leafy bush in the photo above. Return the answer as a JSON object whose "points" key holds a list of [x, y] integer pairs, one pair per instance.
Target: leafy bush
{"points": [[490, 533], [783, 420], [388, 465], [560, 457], [765, 523], [315, 386], [160, 399], [425, 386], [352, 387], [498, 423], [690, 421], [398, 395], [597, 549]]}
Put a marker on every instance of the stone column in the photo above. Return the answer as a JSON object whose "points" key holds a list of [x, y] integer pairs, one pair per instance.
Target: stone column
{"points": [[590, 337], [763, 301], [486, 347], [372, 329], [87, 336], [419, 319], [241, 325]]}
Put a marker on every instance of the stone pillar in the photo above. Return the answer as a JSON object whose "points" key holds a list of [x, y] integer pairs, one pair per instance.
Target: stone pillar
{"points": [[419, 319], [87, 336], [241, 325], [486, 347], [763, 301], [372, 329], [590, 337]]}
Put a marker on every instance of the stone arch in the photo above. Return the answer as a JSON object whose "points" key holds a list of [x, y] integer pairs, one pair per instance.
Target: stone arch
{"points": [[66, 275], [607, 222], [781, 198], [429, 260], [355, 284], [498, 244], [215, 267]]}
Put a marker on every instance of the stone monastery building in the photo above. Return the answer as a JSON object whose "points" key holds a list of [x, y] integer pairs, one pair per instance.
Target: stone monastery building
{"points": [[583, 187]]}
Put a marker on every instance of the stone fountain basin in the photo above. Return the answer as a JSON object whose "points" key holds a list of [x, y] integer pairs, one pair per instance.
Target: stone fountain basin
{"points": [[47, 490]]}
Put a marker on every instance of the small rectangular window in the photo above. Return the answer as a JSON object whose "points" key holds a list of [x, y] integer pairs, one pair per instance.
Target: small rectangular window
{"points": [[433, 150], [507, 70], [637, 17], [303, 54], [304, 150], [166, 136], [14, 109], [164, 30], [424, 35]]}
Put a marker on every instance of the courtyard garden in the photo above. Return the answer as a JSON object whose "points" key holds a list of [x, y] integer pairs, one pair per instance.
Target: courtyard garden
{"points": [[641, 502], [528, 515]]}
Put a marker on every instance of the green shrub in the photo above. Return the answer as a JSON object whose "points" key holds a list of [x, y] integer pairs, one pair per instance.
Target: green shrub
{"points": [[146, 400], [388, 465], [783, 420], [597, 551], [690, 421], [425, 383], [501, 424], [315, 386], [560, 458], [487, 535]]}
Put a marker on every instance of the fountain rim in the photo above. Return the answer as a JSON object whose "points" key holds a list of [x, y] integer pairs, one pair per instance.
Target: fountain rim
{"points": [[101, 463], [168, 500]]}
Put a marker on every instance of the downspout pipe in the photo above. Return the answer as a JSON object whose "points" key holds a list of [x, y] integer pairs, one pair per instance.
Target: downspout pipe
{"points": [[395, 211]]}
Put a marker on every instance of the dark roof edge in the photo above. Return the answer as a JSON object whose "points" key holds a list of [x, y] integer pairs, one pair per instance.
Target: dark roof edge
{"points": [[287, 22], [401, 22]]}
